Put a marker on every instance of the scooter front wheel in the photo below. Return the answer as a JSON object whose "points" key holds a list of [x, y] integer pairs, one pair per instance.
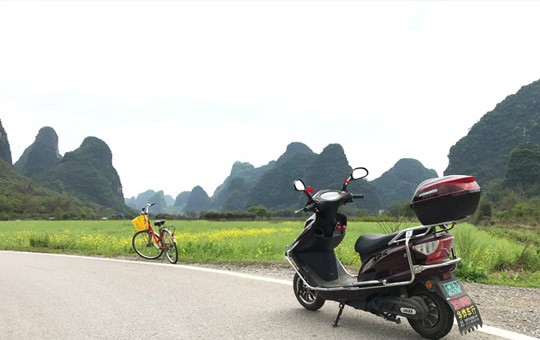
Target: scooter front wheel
{"points": [[307, 297]]}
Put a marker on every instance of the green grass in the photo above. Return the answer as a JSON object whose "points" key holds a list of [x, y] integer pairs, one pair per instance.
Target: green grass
{"points": [[489, 256]]}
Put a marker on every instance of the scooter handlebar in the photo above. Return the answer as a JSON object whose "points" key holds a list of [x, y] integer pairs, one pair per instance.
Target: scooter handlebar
{"points": [[357, 196], [309, 207]]}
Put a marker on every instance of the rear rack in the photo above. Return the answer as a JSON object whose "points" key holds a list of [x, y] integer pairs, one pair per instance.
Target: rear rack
{"points": [[420, 231]]}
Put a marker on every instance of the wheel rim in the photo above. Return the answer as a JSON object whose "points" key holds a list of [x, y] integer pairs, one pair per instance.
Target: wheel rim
{"points": [[432, 318], [305, 294], [144, 245], [170, 247]]}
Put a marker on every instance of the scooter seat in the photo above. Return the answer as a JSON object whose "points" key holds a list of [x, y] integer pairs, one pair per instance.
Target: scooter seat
{"points": [[368, 243]]}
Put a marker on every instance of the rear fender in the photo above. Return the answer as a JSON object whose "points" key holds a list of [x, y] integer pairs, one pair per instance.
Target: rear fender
{"points": [[465, 311]]}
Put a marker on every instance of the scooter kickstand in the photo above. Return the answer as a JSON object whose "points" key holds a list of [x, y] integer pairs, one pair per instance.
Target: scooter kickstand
{"points": [[341, 306]]}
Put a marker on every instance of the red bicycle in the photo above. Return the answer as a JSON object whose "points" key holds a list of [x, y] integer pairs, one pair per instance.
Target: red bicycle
{"points": [[150, 244]]}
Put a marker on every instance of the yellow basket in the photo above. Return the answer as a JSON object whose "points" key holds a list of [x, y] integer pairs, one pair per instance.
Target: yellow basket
{"points": [[139, 223]]}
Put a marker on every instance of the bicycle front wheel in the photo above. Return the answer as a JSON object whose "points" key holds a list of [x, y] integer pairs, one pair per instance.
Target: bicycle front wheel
{"points": [[145, 245], [169, 243]]}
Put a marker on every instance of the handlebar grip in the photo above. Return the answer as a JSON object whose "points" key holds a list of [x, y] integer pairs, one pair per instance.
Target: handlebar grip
{"points": [[357, 196]]}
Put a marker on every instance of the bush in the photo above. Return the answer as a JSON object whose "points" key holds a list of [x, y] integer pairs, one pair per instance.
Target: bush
{"points": [[483, 213], [228, 215], [39, 241]]}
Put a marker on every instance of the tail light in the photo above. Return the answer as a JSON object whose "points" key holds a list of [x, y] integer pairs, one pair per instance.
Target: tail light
{"points": [[436, 250]]}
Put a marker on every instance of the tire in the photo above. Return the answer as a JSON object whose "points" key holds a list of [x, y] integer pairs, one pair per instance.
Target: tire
{"points": [[169, 245], [308, 298], [440, 318], [144, 244]]}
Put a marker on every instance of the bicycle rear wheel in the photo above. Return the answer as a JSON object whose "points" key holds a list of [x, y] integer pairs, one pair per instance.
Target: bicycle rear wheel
{"points": [[145, 245], [169, 243]]}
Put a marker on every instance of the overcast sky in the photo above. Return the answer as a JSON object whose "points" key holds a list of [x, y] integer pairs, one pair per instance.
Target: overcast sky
{"points": [[180, 90]]}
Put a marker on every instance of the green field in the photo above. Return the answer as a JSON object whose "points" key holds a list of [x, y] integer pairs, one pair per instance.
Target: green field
{"points": [[488, 257]]}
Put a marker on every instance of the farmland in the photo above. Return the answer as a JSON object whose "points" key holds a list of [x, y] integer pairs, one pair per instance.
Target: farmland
{"points": [[488, 257]]}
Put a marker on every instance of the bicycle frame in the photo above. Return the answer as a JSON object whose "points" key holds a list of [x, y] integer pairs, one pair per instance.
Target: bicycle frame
{"points": [[158, 237]]}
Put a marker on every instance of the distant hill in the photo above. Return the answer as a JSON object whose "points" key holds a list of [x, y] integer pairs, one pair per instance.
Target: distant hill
{"points": [[399, 183], [271, 185], [88, 174], [181, 201], [485, 151], [22, 198], [5, 150], [160, 203], [231, 195], [274, 188], [41, 155], [326, 171], [198, 201], [140, 201], [30, 194]]}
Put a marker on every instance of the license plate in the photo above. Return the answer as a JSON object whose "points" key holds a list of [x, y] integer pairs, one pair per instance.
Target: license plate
{"points": [[452, 288]]}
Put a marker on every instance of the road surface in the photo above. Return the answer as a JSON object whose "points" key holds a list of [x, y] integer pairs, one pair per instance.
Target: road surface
{"points": [[68, 297]]}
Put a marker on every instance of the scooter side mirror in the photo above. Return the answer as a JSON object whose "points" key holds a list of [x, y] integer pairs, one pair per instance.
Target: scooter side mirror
{"points": [[359, 173], [299, 185]]}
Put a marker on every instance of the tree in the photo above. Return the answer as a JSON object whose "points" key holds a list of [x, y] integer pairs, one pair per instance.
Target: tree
{"points": [[523, 170], [402, 209], [259, 211]]}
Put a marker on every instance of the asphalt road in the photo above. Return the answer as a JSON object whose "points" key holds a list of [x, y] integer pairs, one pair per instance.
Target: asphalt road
{"points": [[66, 297]]}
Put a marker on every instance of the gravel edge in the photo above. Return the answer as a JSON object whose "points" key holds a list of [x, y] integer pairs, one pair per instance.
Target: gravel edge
{"points": [[511, 308]]}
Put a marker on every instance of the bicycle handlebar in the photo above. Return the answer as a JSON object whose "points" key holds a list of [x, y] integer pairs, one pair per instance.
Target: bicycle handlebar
{"points": [[148, 205]]}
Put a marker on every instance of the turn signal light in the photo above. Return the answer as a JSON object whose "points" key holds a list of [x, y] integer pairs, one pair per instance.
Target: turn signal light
{"points": [[429, 284]]}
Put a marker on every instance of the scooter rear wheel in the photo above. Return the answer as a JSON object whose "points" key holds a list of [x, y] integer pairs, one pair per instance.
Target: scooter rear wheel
{"points": [[440, 318], [307, 297]]}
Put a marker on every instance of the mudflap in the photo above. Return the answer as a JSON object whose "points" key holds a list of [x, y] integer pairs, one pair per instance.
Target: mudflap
{"points": [[465, 310]]}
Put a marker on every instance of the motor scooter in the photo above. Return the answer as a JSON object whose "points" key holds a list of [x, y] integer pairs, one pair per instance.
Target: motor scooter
{"points": [[408, 273]]}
